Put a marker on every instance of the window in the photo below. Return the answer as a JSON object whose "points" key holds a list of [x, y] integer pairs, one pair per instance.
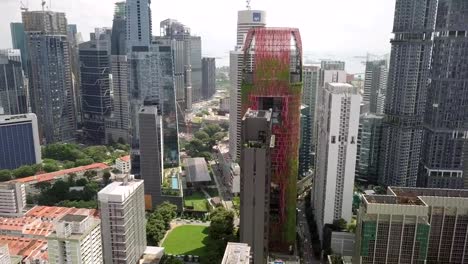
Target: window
{"points": [[333, 139]]}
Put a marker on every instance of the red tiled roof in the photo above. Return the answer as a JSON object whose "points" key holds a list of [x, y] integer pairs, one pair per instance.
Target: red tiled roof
{"points": [[125, 158], [30, 249], [58, 174]]}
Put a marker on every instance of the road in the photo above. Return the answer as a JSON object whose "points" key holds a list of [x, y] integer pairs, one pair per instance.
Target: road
{"points": [[303, 228]]}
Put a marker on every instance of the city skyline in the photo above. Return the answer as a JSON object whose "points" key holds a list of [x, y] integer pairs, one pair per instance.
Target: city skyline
{"points": [[361, 28]]}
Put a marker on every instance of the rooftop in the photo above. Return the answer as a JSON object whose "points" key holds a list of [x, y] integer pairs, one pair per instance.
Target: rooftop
{"points": [[55, 212], [197, 170], [29, 249], [125, 158], [73, 218], [340, 88], [46, 177], [390, 199], [119, 191], [236, 253], [414, 192]]}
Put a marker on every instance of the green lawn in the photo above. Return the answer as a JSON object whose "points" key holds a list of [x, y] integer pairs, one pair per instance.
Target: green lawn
{"points": [[187, 240], [197, 200]]}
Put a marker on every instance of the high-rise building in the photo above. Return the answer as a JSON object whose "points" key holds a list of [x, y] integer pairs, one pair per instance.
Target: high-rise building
{"points": [[406, 92], [51, 89], [375, 84], [209, 77], [96, 84], [338, 122], [151, 152], [444, 159], [392, 230], [139, 26], [123, 223], [76, 240], [12, 199], [19, 141], [117, 124], [273, 80], [246, 19], [74, 40], [257, 143], [400, 217], [309, 97], [368, 148], [18, 39], [197, 68], [13, 90]]}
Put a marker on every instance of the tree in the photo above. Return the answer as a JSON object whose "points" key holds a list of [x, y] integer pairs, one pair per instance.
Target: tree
{"points": [[84, 162], [106, 177], [23, 171], [202, 135], [68, 164], [90, 174], [212, 129], [81, 182], [170, 260], [219, 136], [63, 152], [340, 224], [222, 224], [71, 179], [97, 153], [5, 175], [51, 167], [168, 212]]}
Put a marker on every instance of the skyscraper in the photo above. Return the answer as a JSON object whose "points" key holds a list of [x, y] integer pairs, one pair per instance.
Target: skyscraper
{"points": [[18, 39], [309, 97], [209, 77], [338, 123], [51, 90], [369, 149], [13, 92], [375, 84], [444, 159], [139, 26], [74, 40], [246, 19], [117, 124], [406, 91], [151, 153], [257, 143], [197, 67], [123, 223], [95, 84], [273, 80], [19, 141]]}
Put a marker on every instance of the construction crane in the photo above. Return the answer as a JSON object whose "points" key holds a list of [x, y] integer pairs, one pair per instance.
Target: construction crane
{"points": [[23, 7], [43, 5]]}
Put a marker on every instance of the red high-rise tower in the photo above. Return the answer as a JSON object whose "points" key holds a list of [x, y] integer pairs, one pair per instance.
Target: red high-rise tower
{"points": [[273, 80]]}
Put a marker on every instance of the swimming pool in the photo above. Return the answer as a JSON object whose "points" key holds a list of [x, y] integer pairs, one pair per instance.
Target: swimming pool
{"points": [[175, 183]]}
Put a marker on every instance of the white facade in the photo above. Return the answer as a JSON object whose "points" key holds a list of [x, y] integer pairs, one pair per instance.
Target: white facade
{"points": [[237, 253], [12, 199], [4, 254], [246, 19], [123, 221], [77, 240], [138, 24], [123, 164], [338, 123]]}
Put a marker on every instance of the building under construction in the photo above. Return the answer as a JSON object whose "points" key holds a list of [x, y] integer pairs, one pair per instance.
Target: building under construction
{"points": [[272, 79]]}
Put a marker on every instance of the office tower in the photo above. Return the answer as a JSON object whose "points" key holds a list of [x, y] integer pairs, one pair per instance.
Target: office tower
{"points": [[338, 123], [117, 124], [238, 253], [406, 92], [375, 84], [12, 199], [309, 97], [76, 240], [96, 84], [392, 229], [13, 90], [51, 90], [151, 152], [139, 27], [73, 39], [197, 68], [273, 80], [446, 211], [246, 19], [19, 141], [257, 144], [368, 148], [332, 72], [209, 77], [18, 39], [305, 148], [444, 159], [123, 223], [181, 40]]}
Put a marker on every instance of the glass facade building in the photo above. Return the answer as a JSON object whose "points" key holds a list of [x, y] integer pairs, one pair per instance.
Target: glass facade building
{"points": [[13, 91]]}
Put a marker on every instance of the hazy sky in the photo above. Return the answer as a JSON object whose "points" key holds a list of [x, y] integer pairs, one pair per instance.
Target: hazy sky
{"points": [[337, 29]]}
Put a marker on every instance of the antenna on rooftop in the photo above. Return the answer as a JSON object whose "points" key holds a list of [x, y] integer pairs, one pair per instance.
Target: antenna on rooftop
{"points": [[248, 4], [43, 4], [23, 7]]}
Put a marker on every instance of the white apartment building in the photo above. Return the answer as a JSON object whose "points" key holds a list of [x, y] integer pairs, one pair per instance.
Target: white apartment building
{"points": [[338, 125], [76, 240], [12, 199], [123, 164], [123, 221]]}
